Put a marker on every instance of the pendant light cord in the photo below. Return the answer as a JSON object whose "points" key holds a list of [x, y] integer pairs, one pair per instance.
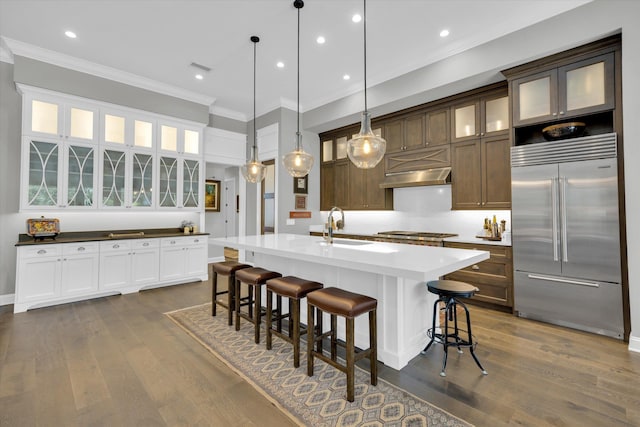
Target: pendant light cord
{"points": [[255, 133], [298, 129], [365, 54]]}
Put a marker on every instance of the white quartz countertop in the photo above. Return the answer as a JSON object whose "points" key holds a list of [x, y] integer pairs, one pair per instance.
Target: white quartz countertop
{"points": [[395, 259]]}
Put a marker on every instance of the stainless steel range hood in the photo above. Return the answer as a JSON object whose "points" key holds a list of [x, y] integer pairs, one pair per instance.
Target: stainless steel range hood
{"points": [[437, 176]]}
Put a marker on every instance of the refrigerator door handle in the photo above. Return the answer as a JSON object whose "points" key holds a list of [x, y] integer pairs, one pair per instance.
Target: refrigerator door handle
{"points": [[561, 280], [554, 217], [563, 218]]}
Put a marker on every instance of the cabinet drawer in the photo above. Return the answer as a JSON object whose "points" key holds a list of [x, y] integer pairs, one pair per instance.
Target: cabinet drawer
{"points": [[80, 248], [113, 246], [146, 244], [499, 269], [491, 291], [40, 251], [498, 253]]}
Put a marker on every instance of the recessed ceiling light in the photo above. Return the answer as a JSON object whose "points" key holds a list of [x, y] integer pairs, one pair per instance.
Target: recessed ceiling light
{"points": [[280, 64], [199, 76], [320, 40], [356, 18], [70, 34], [444, 33], [346, 77]]}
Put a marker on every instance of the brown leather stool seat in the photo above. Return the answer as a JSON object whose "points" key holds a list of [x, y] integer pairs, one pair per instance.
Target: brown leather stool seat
{"points": [[293, 288], [254, 278], [226, 269], [338, 302]]}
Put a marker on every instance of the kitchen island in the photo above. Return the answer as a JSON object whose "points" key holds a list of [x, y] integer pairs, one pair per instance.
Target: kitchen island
{"points": [[390, 272]]}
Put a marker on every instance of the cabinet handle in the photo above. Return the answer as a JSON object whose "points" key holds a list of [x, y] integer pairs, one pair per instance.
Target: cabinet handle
{"points": [[475, 267], [116, 246], [145, 244], [553, 114], [42, 251], [196, 240], [81, 248], [58, 259], [478, 203], [561, 112], [173, 242], [481, 133], [477, 134]]}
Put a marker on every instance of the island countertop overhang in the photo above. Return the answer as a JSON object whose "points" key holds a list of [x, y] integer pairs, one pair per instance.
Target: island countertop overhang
{"points": [[393, 259]]}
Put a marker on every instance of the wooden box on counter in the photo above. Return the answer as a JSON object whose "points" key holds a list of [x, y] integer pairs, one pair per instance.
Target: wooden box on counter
{"points": [[494, 277]]}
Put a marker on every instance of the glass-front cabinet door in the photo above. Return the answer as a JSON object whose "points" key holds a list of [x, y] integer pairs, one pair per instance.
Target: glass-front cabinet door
{"points": [[141, 180], [168, 182], [179, 139], [43, 180], [584, 87], [466, 121], [496, 115], [81, 177], [113, 183], [190, 183]]}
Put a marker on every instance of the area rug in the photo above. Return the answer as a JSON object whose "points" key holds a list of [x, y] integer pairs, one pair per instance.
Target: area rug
{"points": [[319, 400]]}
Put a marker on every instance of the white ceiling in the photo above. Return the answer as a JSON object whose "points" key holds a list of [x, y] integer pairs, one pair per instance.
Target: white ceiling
{"points": [[157, 40]]}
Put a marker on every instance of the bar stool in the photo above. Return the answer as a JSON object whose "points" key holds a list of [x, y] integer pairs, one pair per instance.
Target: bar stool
{"points": [[226, 269], [448, 292], [254, 278], [349, 305], [294, 289]]}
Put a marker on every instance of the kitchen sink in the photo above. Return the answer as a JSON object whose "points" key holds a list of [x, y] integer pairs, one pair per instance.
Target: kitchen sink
{"points": [[344, 242]]}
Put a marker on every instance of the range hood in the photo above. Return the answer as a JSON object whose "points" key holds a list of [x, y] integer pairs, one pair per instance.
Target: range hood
{"points": [[436, 176]]}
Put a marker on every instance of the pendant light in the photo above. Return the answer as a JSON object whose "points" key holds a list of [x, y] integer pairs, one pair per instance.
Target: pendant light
{"points": [[254, 171], [297, 162], [366, 150]]}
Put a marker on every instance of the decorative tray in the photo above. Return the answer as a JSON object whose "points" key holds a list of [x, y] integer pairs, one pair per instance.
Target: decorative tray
{"points": [[43, 227]]}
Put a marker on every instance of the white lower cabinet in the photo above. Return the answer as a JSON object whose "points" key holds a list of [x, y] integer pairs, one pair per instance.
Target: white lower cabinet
{"points": [[127, 263], [57, 273], [183, 257]]}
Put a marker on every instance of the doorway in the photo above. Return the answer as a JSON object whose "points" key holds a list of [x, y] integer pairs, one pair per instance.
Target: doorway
{"points": [[268, 198]]}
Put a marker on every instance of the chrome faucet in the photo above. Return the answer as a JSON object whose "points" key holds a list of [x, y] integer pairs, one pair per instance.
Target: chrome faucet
{"points": [[339, 223]]}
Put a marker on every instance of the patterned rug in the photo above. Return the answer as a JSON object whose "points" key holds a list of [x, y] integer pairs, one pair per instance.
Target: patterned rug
{"points": [[310, 401]]}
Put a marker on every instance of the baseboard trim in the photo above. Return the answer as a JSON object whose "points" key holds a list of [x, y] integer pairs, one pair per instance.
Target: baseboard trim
{"points": [[634, 343], [7, 299]]}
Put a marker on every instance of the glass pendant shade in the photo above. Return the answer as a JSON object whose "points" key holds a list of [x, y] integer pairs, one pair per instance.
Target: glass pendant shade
{"points": [[366, 150], [253, 171], [298, 162]]}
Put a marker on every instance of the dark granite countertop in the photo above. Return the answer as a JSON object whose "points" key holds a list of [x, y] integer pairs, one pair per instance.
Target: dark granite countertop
{"points": [[97, 236]]}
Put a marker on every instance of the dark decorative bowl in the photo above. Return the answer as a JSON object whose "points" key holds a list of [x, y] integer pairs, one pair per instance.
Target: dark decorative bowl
{"points": [[563, 130]]}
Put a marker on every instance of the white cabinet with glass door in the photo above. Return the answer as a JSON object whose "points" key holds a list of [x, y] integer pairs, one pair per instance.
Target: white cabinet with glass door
{"points": [[179, 166], [127, 161], [59, 155]]}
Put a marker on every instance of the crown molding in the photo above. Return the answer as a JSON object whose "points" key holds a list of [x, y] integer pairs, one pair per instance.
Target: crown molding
{"points": [[225, 112], [55, 58], [5, 53]]}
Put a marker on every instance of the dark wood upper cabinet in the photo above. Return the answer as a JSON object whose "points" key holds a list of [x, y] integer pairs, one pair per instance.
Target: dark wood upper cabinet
{"points": [[414, 134], [437, 127], [576, 89], [394, 135]]}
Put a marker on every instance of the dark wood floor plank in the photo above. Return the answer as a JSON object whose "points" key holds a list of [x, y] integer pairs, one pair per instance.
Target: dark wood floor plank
{"points": [[120, 361]]}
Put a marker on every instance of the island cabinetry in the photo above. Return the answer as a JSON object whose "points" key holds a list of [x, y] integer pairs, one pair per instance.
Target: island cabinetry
{"points": [[129, 263], [494, 277], [481, 173], [48, 272], [579, 88], [182, 257]]}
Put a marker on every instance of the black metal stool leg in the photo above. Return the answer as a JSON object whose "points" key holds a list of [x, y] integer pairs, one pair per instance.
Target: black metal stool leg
{"points": [[433, 327], [466, 312]]}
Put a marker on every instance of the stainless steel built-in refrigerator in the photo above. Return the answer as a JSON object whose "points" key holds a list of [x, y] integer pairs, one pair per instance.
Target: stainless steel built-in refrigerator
{"points": [[565, 233]]}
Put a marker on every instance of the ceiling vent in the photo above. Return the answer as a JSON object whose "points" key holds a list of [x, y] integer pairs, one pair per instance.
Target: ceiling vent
{"points": [[200, 67]]}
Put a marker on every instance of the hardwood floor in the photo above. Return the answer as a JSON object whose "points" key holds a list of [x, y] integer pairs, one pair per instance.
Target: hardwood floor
{"points": [[120, 361]]}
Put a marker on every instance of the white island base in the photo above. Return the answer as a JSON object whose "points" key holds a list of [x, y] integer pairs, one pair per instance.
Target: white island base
{"points": [[394, 274]]}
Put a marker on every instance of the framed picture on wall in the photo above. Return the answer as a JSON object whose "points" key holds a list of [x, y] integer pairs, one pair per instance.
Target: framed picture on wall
{"points": [[301, 202], [300, 185], [212, 195]]}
